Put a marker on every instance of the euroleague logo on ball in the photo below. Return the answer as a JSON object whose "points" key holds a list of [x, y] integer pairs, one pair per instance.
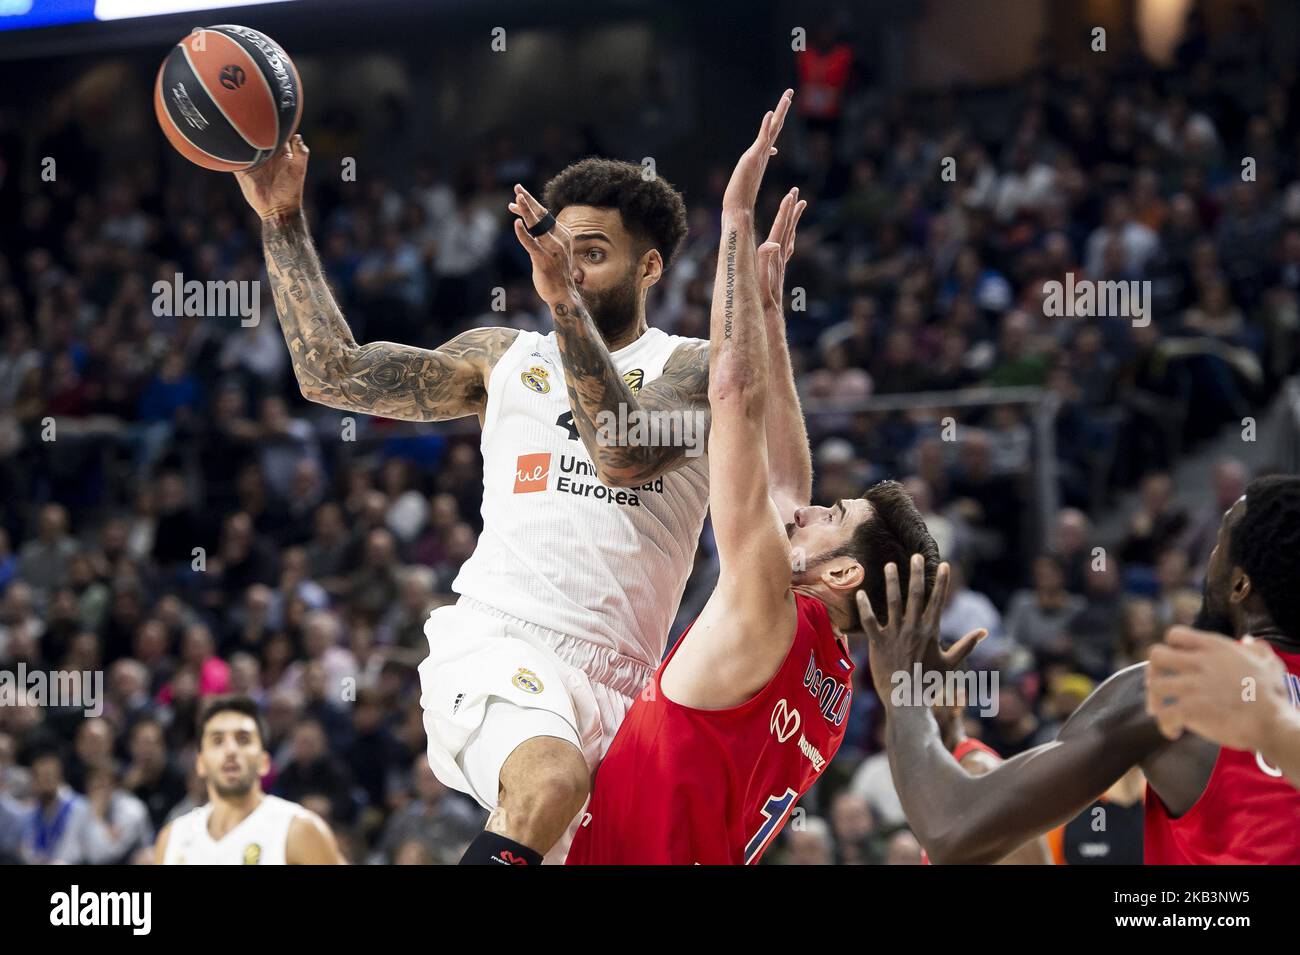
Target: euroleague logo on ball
{"points": [[232, 76], [227, 98]]}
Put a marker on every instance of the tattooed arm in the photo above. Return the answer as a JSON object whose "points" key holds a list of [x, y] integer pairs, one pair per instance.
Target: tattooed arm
{"points": [[597, 389], [381, 378]]}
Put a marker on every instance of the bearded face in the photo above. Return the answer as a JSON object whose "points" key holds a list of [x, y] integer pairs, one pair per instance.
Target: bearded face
{"points": [[1214, 614], [614, 309], [235, 787], [1211, 617]]}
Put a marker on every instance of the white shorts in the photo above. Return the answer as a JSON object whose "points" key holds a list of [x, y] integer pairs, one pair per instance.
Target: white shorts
{"points": [[492, 681]]}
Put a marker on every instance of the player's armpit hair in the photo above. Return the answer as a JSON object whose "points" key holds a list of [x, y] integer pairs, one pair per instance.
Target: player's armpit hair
{"points": [[651, 209]]}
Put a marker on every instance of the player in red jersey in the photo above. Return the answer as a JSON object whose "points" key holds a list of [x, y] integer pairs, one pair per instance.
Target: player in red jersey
{"points": [[750, 706], [1205, 804], [1238, 694]]}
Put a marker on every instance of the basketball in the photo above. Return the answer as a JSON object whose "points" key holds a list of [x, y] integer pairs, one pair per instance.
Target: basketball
{"points": [[227, 97]]}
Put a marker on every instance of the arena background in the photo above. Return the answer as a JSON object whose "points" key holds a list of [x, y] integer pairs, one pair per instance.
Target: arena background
{"points": [[1074, 468]]}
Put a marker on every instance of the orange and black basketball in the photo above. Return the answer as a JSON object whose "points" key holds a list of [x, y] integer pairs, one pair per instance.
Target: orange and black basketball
{"points": [[227, 97]]}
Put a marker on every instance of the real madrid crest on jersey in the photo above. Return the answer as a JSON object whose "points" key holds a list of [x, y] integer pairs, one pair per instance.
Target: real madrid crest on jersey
{"points": [[527, 680], [634, 379], [252, 854], [536, 379]]}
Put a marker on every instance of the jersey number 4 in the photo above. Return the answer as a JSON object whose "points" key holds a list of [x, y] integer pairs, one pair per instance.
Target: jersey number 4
{"points": [[565, 421], [775, 811]]}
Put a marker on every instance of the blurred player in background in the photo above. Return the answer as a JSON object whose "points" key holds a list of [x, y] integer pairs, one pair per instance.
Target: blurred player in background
{"points": [[1244, 810], [241, 824]]}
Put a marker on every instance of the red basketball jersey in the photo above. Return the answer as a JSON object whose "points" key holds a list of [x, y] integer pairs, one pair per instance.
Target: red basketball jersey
{"points": [[1247, 815], [682, 786]]}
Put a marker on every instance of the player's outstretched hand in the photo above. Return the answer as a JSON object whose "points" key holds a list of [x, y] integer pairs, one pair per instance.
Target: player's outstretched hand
{"points": [[551, 252], [1226, 691], [911, 634], [776, 251], [275, 187], [742, 189]]}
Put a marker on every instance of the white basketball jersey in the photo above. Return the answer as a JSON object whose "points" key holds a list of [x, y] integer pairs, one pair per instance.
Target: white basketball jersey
{"points": [[260, 839], [559, 549]]}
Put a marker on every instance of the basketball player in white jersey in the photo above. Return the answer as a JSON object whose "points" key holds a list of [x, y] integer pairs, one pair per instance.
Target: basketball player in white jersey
{"points": [[241, 824], [587, 542]]}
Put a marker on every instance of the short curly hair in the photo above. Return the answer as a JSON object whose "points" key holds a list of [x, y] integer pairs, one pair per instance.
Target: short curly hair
{"points": [[1265, 543], [652, 210]]}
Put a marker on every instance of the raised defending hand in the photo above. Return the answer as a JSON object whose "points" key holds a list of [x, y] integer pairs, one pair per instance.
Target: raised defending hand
{"points": [[911, 635], [742, 189], [776, 251]]}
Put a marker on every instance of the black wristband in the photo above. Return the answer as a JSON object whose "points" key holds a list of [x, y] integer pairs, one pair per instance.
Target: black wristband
{"points": [[490, 848]]}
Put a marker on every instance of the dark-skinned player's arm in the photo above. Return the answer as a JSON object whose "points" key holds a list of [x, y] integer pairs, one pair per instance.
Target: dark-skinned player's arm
{"points": [[1035, 851], [977, 762], [789, 457], [596, 390], [380, 378], [960, 818], [310, 842], [1232, 692]]}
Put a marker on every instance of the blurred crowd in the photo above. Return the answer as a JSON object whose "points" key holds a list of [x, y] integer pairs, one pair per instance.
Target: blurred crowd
{"points": [[174, 514]]}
